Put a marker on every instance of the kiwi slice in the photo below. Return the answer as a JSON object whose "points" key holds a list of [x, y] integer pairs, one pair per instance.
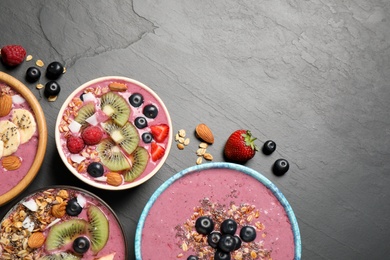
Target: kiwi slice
{"points": [[115, 106], [111, 156], [126, 136], [98, 228], [85, 112], [139, 158], [64, 233], [60, 256]]}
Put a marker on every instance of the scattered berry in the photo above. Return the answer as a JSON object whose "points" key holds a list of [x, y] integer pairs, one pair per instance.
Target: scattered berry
{"points": [[73, 208], [240, 147], [238, 242], [157, 151], [192, 257], [280, 167], [269, 147], [92, 135], [159, 132], [81, 245], [52, 88], [150, 111], [136, 99], [95, 169], [147, 137], [228, 226], [75, 144], [204, 225], [248, 233], [54, 70], [13, 55], [33, 74], [140, 122], [227, 243], [220, 255], [213, 239]]}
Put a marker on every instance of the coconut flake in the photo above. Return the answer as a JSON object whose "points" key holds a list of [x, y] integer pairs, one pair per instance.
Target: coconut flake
{"points": [[28, 224], [18, 99], [53, 223], [77, 158], [89, 97], [92, 120], [101, 179], [31, 205], [74, 127], [81, 200]]}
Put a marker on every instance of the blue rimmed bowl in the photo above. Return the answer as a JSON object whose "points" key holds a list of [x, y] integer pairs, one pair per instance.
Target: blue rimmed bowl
{"points": [[168, 191]]}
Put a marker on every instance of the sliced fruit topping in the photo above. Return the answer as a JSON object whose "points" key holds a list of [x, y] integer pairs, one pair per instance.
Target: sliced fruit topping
{"points": [[75, 144], [10, 135], [98, 228], [95, 169], [150, 111], [25, 121], [81, 245], [54, 70], [85, 112], [115, 106], [157, 151], [139, 159], [92, 135], [64, 233], [33, 74], [111, 156], [159, 132], [107, 257], [73, 207], [52, 88], [136, 99], [60, 256], [126, 136], [147, 137]]}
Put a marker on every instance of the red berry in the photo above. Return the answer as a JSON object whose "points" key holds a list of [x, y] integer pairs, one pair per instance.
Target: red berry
{"points": [[13, 55], [240, 147], [157, 151], [159, 132], [92, 135], [75, 144]]}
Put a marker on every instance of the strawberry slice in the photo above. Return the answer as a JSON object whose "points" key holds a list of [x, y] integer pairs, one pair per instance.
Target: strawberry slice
{"points": [[159, 132], [157, 151]]}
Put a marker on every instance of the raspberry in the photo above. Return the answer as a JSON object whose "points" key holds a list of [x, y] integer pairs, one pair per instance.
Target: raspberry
{"points": [[75, 144], [13, 55], [92, 135]]}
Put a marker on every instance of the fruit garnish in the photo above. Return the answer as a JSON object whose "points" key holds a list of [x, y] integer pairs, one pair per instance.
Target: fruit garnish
{"points": [[81, 245], [10, 136], [95, 169], [204, 225], [85, 112], [227, 243], [139, 160], [157, 151], [75, 144], [54, 70], [13, 55], [269, 147], [73, 207], [64, 233], [229, 226], [247, 233], [52, 89], [25, 122], [115, 106], [136, 99], [92, 135], [111, 156], [150, 111], [5, 104], [60, 256], [240, 146], [280, 167], [106, 257], [33, 74], [213, 239], [98, 228], [204, 133], [160, 132], [140, 122], [125, 136], [147, 137]]}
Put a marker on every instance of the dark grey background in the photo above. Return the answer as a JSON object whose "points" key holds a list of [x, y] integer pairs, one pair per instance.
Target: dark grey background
{"points": [[311, 75]]}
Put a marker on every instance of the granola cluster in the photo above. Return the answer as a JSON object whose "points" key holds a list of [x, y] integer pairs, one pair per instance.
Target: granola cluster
{"points": [[243, 214]]}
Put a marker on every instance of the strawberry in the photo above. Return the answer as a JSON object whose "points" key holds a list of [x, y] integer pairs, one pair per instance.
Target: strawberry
{"points": [[157, 151], [159, 132], [240, 146], [75, 144], [92, 135], [13, 55]]}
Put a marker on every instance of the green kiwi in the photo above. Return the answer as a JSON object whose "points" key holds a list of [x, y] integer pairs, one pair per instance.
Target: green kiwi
{"points": [[111, 156], [98, 228], [139, 158], [116, 107], [126, 136], [64, 233], [60, 256], [85, 112]]}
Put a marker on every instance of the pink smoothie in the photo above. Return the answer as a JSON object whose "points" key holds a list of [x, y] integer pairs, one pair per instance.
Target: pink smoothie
{"points": [[44, 220], [26, 152], [169, 231]]}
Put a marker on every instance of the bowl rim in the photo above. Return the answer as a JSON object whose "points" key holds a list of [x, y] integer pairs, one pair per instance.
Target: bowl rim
{"points": [[105, 204], [220, 165], [42, 136], [97, 184]]}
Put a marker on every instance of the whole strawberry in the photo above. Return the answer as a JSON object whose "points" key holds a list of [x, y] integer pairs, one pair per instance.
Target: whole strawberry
{"points": [[240, 146], [13, 55]]}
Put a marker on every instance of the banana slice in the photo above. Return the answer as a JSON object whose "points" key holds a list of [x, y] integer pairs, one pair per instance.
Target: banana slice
{"points": [[10, 136], [1, 148], [25, 121]]}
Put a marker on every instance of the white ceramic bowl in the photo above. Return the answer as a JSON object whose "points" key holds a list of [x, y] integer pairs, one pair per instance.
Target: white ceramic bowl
{"points": [[97, 86]]}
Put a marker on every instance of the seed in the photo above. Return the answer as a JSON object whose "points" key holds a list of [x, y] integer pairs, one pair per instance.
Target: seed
{"points": [[180, 146], [40, 86], [201, 151], [208, 156], [29, 57], [181, 140], [203, 145], [182, 133], [186, 141], [177, 137], [199, 160], [40, 63], [52, 98]]}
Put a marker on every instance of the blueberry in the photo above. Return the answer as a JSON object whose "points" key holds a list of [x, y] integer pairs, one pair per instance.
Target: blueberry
{"points": [[150, 111], [247, 233], [227, 243], [73, 208], [140, 122], [204, 225], [95, 169], [54, 70], [192, 257], [213, 239], [280, 167], [136, 99], [238, 242], [81, 245], [269, 147], [229, 226], [52, 88], [220, 255], [33, 74], [82, 96], [147, 137]]}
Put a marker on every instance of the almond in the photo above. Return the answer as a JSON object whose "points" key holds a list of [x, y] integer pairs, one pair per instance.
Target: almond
{"points": [[114, 178], [204, 133], [5, 104], [59, 210], [115, 86], [11, 162], [36, 240]]}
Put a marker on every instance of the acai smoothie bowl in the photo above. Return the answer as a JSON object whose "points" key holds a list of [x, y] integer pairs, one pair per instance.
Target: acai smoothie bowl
{"points": [[113, 133], [62, 222], [23, 137], [218, 211]]}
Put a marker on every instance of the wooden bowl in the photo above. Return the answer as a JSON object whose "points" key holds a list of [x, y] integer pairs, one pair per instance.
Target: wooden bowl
{"points": [[19, 87]]}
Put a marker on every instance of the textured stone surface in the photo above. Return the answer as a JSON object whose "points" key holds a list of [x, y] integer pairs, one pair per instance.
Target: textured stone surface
{"points": [[311, 75]]}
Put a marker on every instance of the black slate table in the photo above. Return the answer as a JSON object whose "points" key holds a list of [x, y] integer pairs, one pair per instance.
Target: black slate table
{"points": [[311, 75]]}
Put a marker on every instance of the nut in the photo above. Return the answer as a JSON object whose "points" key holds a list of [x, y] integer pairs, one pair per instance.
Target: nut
{"points": [[11, 162], [114, 178], [59, 210], [204, 133], [208, 157], [116, 86], [180, 146], [36, 240], [5, 104]]}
